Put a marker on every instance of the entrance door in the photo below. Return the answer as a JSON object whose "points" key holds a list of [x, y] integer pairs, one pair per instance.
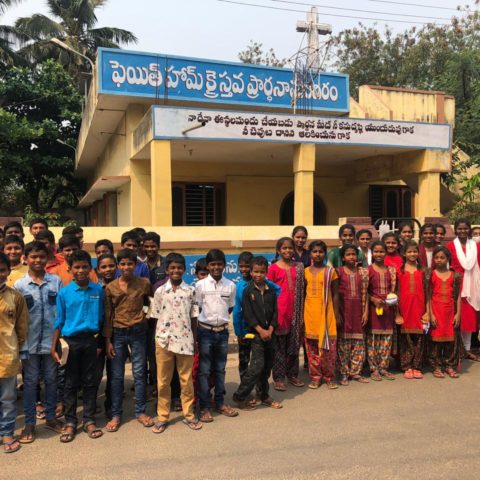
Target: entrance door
{"points": [[287, 209]]}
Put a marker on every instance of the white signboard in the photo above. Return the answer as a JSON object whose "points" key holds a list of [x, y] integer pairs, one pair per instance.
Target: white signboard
{"points": [[180, 123]]}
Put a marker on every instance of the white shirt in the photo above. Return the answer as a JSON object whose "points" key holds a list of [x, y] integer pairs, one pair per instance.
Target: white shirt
{"points": [[215, 299]]}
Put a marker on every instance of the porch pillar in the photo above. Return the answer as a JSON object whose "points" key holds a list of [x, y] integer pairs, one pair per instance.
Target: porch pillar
{"points": [[161, 182], [428, 204], [303, 170], [140, 193]]}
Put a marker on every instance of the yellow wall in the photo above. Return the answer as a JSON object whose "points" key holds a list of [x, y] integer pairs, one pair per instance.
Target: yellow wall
{"points": [[123, 205]]}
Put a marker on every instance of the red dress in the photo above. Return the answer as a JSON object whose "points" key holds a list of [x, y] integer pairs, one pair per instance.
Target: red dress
{"points": [[468, 322], [395, 261], [411, 300], [351, 308], [443, 308], [286, 280], [379, 286]]}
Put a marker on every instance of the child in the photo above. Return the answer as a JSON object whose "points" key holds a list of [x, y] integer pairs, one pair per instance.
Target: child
{"points": [[364, 239], [259, 305], [14, 328], [141, 232], [392, 244], [346, 234], [125, 327], [36, 226], [67, 245], [440, 233], [289, 276], [13, 249], [445, 308], [381, 282], [13, 228], [426, 248], [352, 315], [201, 271], [216, 299], [301, 254], [476, 234], [53, 259], [153, 260], [176, 310], [103, 247], [465, 255], [131, 241], [79, 320], [321, 303], [405, 233], [76, 231], [413, 314], [40, 290]]}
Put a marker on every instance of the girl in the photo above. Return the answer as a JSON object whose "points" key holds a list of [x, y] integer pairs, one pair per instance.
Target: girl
{"points": [[290, 277], [445, 306], [425, 251], [413, 314], [352, 315], [346, 234], [364, 239], [405, 232], [465, 259], [440, 232], [321, 303], [392, 257], [300, 254], [381, 282]]}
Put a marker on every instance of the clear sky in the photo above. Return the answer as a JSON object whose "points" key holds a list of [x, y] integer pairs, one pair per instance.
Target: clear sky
{"points": [[212, 29]]}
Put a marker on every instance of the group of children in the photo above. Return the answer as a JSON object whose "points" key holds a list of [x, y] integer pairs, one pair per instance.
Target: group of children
{"points": [[65, 323]]}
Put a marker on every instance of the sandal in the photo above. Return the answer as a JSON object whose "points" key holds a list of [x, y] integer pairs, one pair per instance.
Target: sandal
{"points": [[145, 420], [176, 405], [360, 379], [246, 405], [39, 411], [376, 376], [417, 374], [280, 386], [192, 424], [452, 373], [69, 434], [227, 410], [11, 446], [92, 431], [314, 384], [270, 402], [55, 426], [159, 427], [296, 382], [438, 374], [387, 375], [28, 434], [472, 356], [344, 381], [113, 425], [332, 385], [206, 416], [408, 374]]}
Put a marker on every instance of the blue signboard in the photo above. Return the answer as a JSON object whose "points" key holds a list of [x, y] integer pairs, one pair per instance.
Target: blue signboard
{"points": [[124, 72]]}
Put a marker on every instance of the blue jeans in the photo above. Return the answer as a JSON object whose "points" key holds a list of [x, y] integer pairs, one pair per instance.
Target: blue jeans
{"points": [[136, 338], [8, 411], [213, 349], [36, 367]]}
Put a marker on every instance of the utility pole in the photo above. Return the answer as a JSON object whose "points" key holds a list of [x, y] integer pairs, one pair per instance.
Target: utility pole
{"points": [[313, 29]]}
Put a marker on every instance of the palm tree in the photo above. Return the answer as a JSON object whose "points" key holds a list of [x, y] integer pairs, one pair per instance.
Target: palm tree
{"points": [[9, 39], [73, 23]]}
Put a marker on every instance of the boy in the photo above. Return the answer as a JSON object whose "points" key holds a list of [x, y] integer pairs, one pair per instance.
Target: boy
{"points": [[103, 247], [175, 310], [79, 320], [36, 226], [131, 241], [125, 327], [259, 304], [201, 271], [346, 234], [40, 291], [13, 328], [14, 228], [142, 257], [216, 299], [13, 249], [74, 230], [53, 259], [154, 261], [67, 245]]}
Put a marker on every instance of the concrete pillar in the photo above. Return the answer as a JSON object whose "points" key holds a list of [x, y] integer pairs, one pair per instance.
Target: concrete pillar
{"points": [[303, 170], [428, 204], [140, 199], [161, 182]]}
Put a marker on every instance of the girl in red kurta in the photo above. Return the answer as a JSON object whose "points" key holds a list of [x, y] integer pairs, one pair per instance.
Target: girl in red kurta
{"points": [[445, 306], [466, 260], [392, 244], [382, 281], [413, 314], [288, 336]]}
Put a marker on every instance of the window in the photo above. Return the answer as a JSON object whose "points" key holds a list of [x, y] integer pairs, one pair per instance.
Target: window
{"points": [[390, 201], [198, 204]]}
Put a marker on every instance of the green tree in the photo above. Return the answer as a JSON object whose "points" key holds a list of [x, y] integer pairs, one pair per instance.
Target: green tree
{"points": [[254, 54], [9, 40], [40, 105]]}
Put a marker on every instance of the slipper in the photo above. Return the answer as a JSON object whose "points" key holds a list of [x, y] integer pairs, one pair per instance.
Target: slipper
{"points": [[176, 405], [28, 431], [279, 386], [192, 424], [452, 373], [93, 432], [360, 379], [159, 427], [246, 405], [296, 382], [113, 425], [67, 437], [314, 384], [387, 375], [227, 410], [408, 374], [206, 416], [332, 385], [376, 376], [270, 402], [55, 426], [472, 356], [417, 374], [438, 374], [11, 444], [344, 381], [145, 420], [39, 412]]}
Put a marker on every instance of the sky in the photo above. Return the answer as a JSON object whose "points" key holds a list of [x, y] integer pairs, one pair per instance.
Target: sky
{"points": [[219, 30]]}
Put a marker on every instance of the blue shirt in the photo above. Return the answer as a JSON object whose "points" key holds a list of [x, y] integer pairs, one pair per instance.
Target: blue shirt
{"points": [[80, 310], [41, 301], [239, 325], [141, 270]]}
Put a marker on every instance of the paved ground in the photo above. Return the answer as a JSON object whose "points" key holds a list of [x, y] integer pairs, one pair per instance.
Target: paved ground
{"points": [[426, 429]]}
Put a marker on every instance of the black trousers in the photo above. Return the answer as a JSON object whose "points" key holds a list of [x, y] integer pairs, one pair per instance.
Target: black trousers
{"points": [[81, 372], [102, 362], [259, 370]]}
